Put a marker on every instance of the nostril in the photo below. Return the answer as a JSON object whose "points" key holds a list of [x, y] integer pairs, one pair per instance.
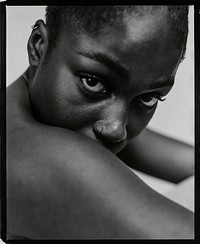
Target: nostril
{"points": [[98, 127]]}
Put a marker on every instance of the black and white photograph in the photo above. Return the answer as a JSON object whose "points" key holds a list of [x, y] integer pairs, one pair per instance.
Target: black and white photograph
{"points": [[100, 122]]}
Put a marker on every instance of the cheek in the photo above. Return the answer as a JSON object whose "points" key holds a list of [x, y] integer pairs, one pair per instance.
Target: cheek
{"points": [[57, 101], [137, 122], [69, 111], [75, 117]]}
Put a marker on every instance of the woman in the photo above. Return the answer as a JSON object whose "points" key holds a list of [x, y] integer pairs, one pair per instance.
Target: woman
{"points": [[93, 85]]}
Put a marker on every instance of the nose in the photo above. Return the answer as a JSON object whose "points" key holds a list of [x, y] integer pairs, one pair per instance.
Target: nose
{"points": [[113, 126], [113, 131]]}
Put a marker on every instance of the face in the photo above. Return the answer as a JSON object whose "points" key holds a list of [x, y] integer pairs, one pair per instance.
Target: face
{"points": [[107, 86]]}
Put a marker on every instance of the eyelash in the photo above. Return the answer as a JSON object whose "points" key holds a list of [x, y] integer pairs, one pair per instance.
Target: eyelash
{"points": [[153, 96], [106, 90], [92, 78]]}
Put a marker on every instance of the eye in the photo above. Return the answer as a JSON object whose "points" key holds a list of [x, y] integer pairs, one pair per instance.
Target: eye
{"points": [[93, 84], [150, 100]]}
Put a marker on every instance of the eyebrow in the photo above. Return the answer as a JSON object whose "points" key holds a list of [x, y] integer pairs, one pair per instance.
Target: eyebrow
{"points": [[162, 83], [121, 70], [107, 61]]}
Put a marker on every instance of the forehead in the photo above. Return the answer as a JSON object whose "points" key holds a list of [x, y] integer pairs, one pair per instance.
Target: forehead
{"points": [[146, 24], [144, 44]]}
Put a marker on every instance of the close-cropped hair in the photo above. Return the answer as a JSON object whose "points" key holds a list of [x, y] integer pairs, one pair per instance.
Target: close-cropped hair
{"points": [[93, 18]]}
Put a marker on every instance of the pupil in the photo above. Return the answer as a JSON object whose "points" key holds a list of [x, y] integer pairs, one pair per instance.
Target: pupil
{"points": [[92, 82]]}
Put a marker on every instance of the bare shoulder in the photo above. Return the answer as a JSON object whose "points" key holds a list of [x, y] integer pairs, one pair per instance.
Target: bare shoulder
{"points": [[63, 185], [26, 136], [51, 173]]}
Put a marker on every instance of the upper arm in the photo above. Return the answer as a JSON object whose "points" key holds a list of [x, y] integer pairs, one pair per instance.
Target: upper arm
{"points": [[61, 191], [57, 187], [74, 188], [160, 156]]}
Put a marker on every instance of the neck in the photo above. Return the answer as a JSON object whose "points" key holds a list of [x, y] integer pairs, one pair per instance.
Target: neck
{"points": [[28, 75], [18, 101]]}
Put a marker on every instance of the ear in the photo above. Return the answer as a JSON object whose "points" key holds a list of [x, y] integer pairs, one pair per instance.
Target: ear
{"points": [[37, 43]]}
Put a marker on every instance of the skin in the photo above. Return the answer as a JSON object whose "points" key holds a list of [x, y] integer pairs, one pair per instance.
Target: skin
{"points": [[159, 156], [119, 111], [66, 170]]}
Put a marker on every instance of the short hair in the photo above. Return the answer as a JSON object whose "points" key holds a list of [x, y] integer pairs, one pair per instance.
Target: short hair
{"points": [[92, 18]]}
